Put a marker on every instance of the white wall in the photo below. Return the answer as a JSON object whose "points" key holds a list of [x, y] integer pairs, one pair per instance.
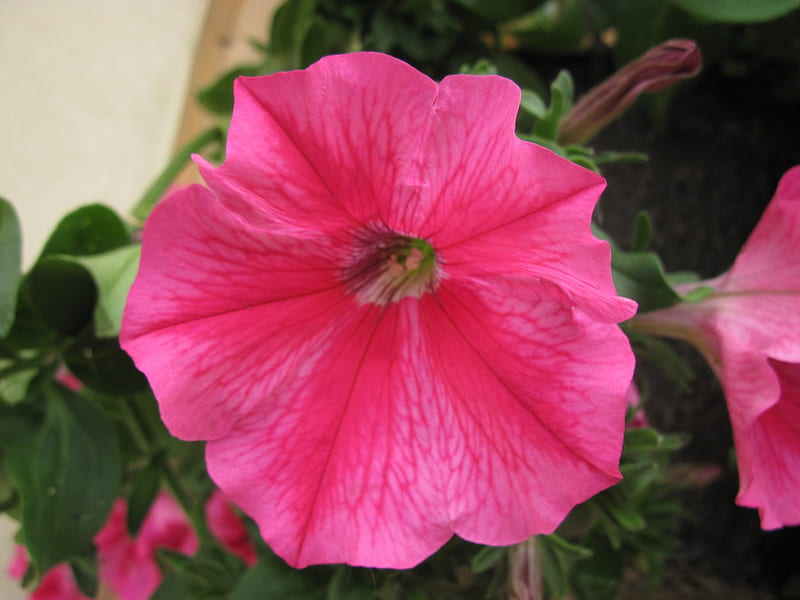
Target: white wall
{"points": [[90, 98]]}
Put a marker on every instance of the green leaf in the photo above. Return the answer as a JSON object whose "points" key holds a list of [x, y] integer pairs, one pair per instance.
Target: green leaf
{"points": [[345, 585], [642, 231], [698, 293], [553, 569], [213, 136], [272, 579], [611, 157], [144, 492], [29, 329], [569, 548], [640, 439], [88, 230], [14, 387], [63, 293], [10, 261], [487, 557], [640, 276], [621, 511], [100, 364], [738, 11], [113, 274], [68, 476], [84, 569], [289, 27], [561, 93], [316, 41], [218, 97], [531, 102]]}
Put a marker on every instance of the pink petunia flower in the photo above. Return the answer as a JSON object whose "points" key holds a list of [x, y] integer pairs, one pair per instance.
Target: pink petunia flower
{"points": [[129, 565], [228, 528], [57, 584], [388, 316], [749, 330]]}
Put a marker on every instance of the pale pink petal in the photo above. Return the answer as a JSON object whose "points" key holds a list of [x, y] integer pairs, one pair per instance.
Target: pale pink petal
{"points": [[228, 528], [749, 330], [769, 455], [395, 440]]}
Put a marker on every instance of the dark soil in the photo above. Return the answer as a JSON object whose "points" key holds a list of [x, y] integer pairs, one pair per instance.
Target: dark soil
{"points": [[713, 168]]}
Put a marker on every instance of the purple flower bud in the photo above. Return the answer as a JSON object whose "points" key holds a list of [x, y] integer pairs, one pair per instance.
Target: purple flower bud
{"points": [[656, 69]]}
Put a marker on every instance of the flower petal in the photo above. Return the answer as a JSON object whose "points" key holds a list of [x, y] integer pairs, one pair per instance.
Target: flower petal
{"points": [[768, 260], [558, 247], [331, 140], [222, 278], [417, 429], [769, 452], [478, 176]]}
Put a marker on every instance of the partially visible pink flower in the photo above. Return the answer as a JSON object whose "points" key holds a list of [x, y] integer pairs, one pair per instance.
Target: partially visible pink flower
{"points": [[65, 377], [57, 584], [388, 316], [228, 528], [634, 400], [129, 565], [658, 68], [749, 330]]}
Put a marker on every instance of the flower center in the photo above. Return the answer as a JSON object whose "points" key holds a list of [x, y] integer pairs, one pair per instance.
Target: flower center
{"points": [[385, 266]]}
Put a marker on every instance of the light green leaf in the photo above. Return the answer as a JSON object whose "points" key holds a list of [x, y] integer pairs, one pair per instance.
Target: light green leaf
{"points": [[113, 273], [10, 259], [738, 11]]}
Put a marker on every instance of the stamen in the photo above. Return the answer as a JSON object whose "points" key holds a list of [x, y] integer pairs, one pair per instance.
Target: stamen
{"points": [[385, 266]]}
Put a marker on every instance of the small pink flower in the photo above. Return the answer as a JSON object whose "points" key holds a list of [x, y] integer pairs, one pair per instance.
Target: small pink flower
{"points": [[228, 528], [57, 584], [129, 565], [634, 400], [749, 330], [388, 316]]}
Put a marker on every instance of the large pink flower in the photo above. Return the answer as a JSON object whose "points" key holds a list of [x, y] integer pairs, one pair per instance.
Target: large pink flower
{"points": [[387, 315], [749, 330], [128, 565]]}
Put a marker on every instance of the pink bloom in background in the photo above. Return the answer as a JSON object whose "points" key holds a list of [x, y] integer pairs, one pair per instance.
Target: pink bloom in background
{"points": [[634, 401], [129, 565], [228, 528], [749, 330], [388, 316], [57, 584]]}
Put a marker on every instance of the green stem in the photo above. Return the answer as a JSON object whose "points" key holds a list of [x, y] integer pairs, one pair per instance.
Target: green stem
{"points": [[168, 175], [193, 510]]}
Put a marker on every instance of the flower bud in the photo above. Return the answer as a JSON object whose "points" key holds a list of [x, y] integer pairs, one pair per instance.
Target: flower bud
{"points": [[656, 69]]}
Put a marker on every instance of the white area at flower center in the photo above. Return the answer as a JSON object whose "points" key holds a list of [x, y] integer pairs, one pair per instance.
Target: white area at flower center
{"points": [[91, 97]]}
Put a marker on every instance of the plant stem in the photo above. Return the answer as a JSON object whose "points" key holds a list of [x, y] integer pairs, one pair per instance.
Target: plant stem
{"points": [[168, 175]]}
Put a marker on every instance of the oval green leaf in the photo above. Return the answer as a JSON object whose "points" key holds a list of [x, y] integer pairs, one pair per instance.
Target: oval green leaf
{"points": [[738, 11]]}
